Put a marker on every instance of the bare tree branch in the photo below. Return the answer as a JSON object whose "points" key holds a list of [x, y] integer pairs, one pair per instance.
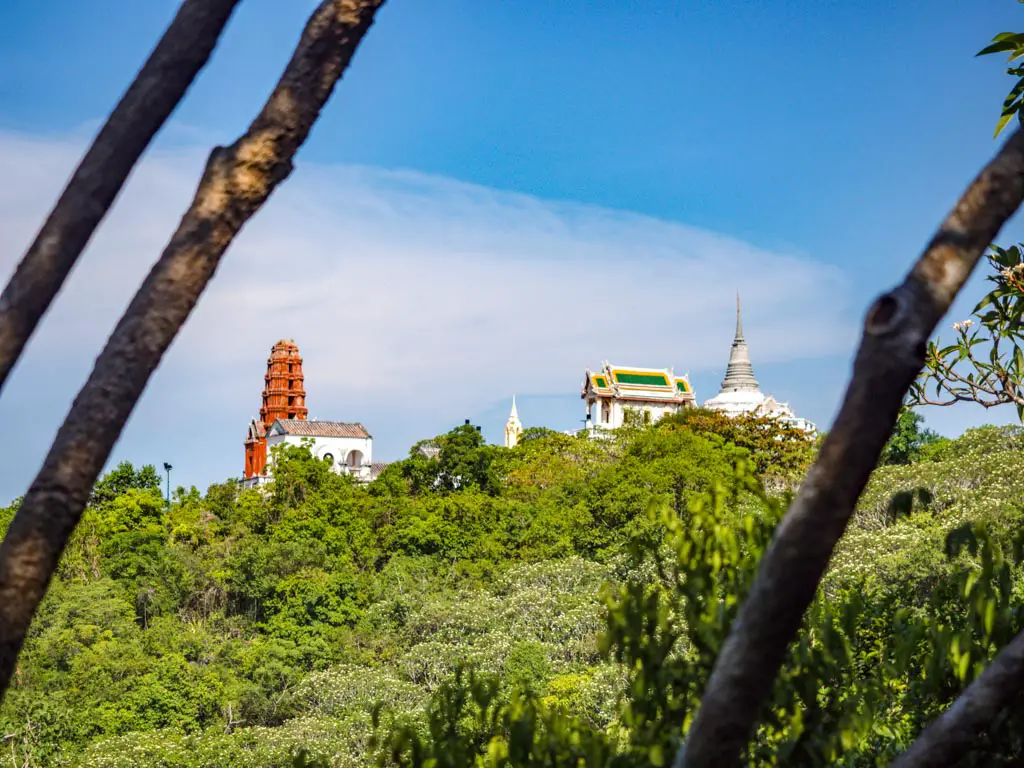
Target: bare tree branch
{"points": [[151, 98], [949, 738], [892, 352], [236, 182]]}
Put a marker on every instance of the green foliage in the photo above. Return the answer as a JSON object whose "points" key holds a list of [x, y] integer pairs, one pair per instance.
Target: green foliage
{"points": [[1012, 44], [564, 603], [776, 448], [909, 442], [122, 478], [984, 365], [208, 621], [862, 678], [461, 460]]}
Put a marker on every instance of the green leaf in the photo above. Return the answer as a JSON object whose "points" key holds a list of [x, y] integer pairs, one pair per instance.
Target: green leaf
{"points": [[1000, 46], [965, 663], [970, 581], [1009, 35], [947, 351], [1011, 105], [1001, 124]]}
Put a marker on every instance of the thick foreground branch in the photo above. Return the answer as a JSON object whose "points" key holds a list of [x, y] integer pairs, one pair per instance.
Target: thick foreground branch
{"points": [[151, 98], [949, 738], [237, 181], [892, 351]]}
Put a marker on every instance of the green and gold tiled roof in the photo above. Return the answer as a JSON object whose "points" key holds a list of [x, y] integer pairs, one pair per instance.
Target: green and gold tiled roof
{"points": [[633, 378], [629, 382]]}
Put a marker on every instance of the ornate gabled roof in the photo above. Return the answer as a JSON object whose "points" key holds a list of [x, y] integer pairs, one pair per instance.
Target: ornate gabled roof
{"points": [[630, 382], [304, 428], [255, 431], [601, 383]]}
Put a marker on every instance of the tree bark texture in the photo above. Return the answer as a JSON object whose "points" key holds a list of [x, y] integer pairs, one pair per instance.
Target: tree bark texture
{"points": [[892, 349], [236, 182], [151, 98]]}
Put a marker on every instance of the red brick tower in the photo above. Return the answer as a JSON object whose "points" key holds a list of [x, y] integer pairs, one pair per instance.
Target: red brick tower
{"points": [[284, 397]]}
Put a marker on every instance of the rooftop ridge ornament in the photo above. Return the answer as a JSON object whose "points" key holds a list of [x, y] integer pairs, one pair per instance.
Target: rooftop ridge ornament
{"points": [[739, 375]]}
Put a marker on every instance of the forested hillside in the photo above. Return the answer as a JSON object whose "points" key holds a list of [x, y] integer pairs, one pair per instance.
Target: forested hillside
{"points": [[235, 628]]}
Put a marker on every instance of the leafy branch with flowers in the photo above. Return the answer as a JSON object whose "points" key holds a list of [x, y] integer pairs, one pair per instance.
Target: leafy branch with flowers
{"points": [[985, 363]]}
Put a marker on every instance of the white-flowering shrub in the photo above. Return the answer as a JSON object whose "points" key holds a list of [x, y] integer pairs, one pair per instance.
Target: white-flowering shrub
{"points": [[975, 478]]}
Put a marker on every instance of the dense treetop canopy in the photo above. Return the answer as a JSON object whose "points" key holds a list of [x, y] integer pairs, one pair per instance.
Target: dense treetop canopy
{"points": [[235, 627]]}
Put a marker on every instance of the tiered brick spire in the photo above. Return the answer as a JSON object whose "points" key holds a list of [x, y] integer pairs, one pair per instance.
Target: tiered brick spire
{"points": [[283, 393], [284, 397]]}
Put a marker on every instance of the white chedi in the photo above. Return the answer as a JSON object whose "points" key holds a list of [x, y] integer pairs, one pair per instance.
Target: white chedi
{"points": [[741, 393]]}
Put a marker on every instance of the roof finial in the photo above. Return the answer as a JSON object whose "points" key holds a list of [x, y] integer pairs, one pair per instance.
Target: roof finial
{"points": [[739, 318], [514, 414]]}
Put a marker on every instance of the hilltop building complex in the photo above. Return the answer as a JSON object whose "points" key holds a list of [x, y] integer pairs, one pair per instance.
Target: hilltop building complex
{"points": [[283, 419], [612, 394], [653, 393]]}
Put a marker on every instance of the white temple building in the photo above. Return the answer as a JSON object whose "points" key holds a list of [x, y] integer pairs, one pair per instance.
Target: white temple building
{"points": [[652, 393], [741, 393], [513, 427], [346, 447]]}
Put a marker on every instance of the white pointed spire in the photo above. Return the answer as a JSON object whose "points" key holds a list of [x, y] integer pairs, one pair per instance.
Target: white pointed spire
{"points": [[513, 427], [739, 375], [739, 319]]}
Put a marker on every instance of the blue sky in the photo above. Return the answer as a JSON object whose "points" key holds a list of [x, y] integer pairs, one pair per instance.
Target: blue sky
{"points": [[501, 194]]}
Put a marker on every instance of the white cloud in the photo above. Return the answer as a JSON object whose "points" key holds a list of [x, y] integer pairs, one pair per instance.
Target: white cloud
{"points": [[410, 296]]}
